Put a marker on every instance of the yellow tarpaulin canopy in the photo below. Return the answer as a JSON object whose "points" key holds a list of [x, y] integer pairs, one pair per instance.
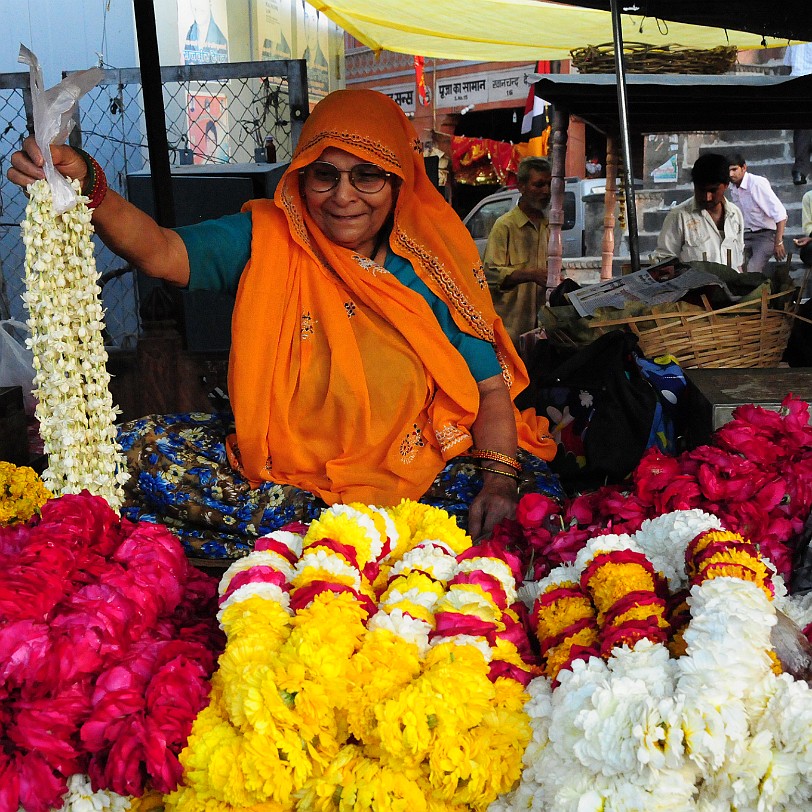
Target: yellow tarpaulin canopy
{"points": [[509, 30]]}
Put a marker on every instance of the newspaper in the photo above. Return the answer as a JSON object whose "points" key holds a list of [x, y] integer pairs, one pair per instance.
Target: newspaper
{"points": [[667, 282]]}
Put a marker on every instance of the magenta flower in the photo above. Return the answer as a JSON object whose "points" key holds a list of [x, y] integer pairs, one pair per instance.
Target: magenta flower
{"points": [[107, 640]]}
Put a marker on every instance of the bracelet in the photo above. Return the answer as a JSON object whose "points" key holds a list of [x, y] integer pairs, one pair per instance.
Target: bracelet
{"points": [[96, 178], [496, 456], [501, 473]]}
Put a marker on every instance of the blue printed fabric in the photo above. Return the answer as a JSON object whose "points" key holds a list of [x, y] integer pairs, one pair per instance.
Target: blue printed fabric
{"points": [[181, 478]]}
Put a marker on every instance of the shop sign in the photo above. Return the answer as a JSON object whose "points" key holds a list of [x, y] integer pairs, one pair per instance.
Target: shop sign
{"points": [[403, 96], [483, 88]]}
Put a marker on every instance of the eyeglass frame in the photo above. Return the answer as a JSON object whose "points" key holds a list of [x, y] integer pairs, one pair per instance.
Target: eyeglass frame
{"points": [[340, 172]]}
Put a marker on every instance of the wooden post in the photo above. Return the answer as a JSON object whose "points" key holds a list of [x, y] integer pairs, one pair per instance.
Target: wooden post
{"points": [[558, 157], [609, 205]]}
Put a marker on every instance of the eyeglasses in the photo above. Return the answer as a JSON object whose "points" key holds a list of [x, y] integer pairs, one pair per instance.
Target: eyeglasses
{"points": [[321, 176]]}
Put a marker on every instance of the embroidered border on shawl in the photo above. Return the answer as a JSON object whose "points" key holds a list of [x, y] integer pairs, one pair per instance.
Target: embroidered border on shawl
{"points": [[455, 295], [355, 140], [295, 216], [506, 374], [450, 436]]}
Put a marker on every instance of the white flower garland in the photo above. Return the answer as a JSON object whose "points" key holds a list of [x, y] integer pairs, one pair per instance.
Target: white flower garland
{"points": [[715, 729], [75, 409], [80, 797]]}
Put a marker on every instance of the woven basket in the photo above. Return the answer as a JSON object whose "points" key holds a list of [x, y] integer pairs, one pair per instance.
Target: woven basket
{"points": [[641, 57], [747, 334]]}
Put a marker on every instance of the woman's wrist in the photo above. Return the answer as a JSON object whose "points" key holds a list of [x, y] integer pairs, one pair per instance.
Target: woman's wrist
{"points": [[94, 185]]}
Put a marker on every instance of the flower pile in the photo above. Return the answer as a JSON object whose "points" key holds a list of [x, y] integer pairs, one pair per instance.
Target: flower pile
{"points": [[375, 660], [107, 643], [755, 475], [71, 383], [628, 726], [22, 493]]}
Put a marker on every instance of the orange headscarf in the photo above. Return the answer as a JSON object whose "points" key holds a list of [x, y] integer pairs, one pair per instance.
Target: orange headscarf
{"points": [[341, 379]]}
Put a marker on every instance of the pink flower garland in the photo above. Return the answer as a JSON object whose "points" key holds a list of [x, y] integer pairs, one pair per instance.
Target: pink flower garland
{"points": [[755, 475], [107, 642]]}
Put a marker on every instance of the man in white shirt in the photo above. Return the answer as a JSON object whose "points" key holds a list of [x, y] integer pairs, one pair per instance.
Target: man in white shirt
{"points": [[805, 242], [707, 225], [764, 216], [799, 59]]}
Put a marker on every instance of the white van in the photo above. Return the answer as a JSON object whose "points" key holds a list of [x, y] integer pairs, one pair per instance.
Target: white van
{"points": [[481, 218]]}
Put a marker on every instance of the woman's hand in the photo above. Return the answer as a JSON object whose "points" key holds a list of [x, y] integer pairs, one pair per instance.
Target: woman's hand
{"points": [[496, 501], [27, 164], [123, 228]]}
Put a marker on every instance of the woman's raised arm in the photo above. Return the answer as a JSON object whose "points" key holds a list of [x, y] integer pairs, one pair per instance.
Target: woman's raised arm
{"points": [[122, 227]]}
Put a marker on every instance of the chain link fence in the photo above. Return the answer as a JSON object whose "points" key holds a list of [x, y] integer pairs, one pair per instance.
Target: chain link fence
{"points": [[215, 114]]}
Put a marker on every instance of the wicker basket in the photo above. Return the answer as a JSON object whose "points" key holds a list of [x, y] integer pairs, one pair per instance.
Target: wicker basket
{"points": [[747, 334], [641, 57]]}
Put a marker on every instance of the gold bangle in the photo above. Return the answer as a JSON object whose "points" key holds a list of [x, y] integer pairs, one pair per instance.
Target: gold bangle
{"points": [[496, 456], [501, 473]]}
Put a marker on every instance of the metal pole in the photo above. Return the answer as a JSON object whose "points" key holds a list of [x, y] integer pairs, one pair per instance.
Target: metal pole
{"points": [[154, 113], [625, 140]]}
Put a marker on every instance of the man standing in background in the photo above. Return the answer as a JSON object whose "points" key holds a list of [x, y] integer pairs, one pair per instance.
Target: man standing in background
{"points": [[799, 59], [516, 255], [764, 216]]}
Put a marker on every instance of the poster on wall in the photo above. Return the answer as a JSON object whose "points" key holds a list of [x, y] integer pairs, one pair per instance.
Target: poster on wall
{"points": [[313, 46], [203, 31], [208, 127], [274, 29]]}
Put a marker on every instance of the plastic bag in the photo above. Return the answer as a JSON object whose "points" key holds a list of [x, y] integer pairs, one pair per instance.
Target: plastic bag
{"points": [[16, 362], [53, 119]]}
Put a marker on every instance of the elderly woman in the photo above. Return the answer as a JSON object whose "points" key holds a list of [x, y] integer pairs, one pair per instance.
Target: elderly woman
{"points": [[367, 363]]}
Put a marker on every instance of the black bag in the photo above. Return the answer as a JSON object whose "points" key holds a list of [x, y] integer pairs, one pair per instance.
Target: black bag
{"points": [[603, 412]]}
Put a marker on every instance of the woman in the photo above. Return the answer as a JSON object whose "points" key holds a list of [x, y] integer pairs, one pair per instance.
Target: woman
{"points": [[366, 357]]}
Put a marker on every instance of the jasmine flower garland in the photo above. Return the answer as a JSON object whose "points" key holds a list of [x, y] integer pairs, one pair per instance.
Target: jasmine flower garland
{"points": [[75, 409]]}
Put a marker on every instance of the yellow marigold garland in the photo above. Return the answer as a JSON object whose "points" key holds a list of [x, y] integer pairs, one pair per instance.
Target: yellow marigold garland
{"points": [[337, 690]]}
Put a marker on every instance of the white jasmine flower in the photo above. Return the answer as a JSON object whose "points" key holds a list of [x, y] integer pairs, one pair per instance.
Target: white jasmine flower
{"points": [[71, 383], [80, 797]]}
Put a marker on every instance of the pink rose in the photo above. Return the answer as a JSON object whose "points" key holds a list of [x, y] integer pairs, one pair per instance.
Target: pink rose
{"points": [[534, 509]]}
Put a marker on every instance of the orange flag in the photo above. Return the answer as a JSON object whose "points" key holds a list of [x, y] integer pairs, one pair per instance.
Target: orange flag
{"points": [[420, 80]]}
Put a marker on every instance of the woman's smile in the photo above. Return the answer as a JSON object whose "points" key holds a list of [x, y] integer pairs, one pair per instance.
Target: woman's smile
{"points": [[347, 217]]}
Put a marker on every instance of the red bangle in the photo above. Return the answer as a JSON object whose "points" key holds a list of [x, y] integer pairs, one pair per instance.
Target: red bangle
{"points": [[98, 180]]}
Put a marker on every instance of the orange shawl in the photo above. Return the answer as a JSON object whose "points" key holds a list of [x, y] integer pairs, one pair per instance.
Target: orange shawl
{"points": [[341, 380]]}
